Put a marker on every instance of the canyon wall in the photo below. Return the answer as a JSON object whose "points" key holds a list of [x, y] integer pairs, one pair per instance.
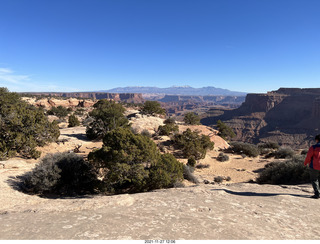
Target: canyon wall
{"points": [[289, 116], [124, 97]]}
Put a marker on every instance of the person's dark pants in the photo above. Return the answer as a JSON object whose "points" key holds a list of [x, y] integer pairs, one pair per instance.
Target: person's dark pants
{"points": [[314, 177]]}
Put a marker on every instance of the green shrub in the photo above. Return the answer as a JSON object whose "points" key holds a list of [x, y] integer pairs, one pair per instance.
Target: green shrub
{"points": [[191, 118], [107, 115], [23, 127], [202, 166], [218, 179], [167, 129], [63, 174], [270, 145], [291, 171], [192, 162], [145, 133], [169, 121], [244, 148], [152, 108], [165, 173], [58, 111], [191, 143], [73, 121], [79, 111], [129, 163], [284, 152], [225, 131], [222, 157]]}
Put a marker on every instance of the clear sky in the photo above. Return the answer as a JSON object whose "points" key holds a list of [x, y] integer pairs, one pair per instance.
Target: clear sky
{"points": [[86, 45]]}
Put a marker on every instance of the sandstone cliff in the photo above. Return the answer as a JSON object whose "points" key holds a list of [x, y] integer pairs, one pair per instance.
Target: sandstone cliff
{"points": [[54, 102], [123, 97], [289, 116]]}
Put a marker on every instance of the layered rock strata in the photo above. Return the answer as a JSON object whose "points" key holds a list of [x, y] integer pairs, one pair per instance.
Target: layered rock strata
{"points": [[289, 116]]}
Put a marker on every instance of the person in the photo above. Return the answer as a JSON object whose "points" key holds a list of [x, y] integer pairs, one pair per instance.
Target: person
{"points": [[313, 159]]}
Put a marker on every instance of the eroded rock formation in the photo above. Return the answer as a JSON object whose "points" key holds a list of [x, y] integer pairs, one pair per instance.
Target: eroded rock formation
{"points": [[124, 97], [289, 116]]}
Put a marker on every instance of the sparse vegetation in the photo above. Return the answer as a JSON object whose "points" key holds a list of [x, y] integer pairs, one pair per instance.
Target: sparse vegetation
{"points": [[225, 131], [73, 121], [191, 118], [58, 111], [23, 127], [63, 174], [284, 152], [152, 108], [271, 145], [79, 111], [218, 179], [146, 133], [191, 143], [107, 115], [202, 166], [169, 121], [192, 162], [188, 174], [291, 171], [244, 148], [223, 157], [167, 129]]}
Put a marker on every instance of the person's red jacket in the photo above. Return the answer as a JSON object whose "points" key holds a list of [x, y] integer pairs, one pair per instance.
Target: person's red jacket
{"points": [[313, 157]]}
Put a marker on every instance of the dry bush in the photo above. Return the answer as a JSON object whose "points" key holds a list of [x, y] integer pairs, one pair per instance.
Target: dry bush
{"points": [[222, 157]]}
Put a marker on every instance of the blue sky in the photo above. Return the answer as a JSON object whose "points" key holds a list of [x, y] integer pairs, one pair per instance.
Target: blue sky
{"points": [[87, 45]]}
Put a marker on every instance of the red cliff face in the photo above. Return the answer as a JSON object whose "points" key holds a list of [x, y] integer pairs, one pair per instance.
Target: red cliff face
{"points": [[289, 116], [262, 102]]}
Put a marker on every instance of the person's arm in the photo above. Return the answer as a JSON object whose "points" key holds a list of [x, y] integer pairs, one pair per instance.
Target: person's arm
{"points": [[309, 156]]}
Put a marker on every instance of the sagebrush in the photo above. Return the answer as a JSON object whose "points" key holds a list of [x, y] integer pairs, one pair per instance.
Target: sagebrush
{"points": [[291, 171], [62, 174]]}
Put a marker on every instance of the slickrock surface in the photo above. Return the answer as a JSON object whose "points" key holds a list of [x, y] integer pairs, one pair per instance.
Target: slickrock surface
{"points": [[236, 211], [232, 210]]}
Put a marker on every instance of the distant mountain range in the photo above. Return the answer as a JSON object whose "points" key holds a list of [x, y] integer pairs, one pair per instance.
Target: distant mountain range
{"points": [[176, 90]]}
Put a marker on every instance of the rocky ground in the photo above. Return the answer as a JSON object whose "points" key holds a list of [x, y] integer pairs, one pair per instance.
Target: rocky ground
{"points": [[231, 210]]}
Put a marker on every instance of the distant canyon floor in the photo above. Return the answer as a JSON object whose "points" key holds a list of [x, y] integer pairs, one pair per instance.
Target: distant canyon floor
{"points": [[233, 210]]}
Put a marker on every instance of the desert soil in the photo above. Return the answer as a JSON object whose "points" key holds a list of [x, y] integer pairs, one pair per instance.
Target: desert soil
{"points": [[231, 210]]}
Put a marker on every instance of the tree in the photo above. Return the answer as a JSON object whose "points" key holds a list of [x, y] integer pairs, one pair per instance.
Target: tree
{"points": [[107, 115], [152, 108], [191, 118], [73, 121], [128, 162], [225, 131], [192, 144], [23, 127]]}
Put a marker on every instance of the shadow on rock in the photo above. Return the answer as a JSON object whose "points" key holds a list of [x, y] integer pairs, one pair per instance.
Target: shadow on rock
{"points": [[257, 194], [16, 183]]}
